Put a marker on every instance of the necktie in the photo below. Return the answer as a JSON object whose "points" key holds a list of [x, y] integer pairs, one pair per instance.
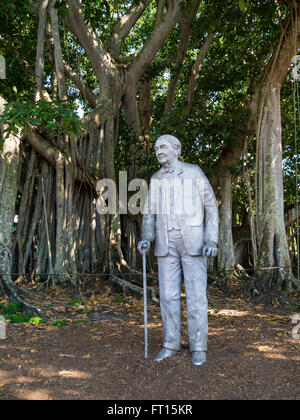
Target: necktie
{"points": [[168, 170]]}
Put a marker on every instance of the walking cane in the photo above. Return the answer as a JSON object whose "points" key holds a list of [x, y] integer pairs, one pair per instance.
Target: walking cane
{"points": [[145, 303]]}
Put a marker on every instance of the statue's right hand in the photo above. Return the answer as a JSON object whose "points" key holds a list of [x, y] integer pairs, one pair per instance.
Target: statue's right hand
{"points": [[144, 245]]}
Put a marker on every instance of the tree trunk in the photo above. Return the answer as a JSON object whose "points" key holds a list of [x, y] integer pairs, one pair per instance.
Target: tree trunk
{"points": [[9, 162], [226, 258], [272, 242], [271, 235], [9, 168]]}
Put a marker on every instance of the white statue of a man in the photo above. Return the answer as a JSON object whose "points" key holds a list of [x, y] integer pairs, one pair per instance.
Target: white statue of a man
{"points": [[184, 239]]}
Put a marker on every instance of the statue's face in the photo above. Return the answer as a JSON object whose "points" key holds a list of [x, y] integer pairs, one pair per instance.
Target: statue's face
{"points": [[165, 152]]}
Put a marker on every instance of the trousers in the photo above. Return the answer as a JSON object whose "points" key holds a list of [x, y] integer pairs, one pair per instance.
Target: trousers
{"points": [[194, 270]]}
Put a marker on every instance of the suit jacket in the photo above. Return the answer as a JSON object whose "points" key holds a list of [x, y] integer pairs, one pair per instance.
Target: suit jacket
{"points": [[197, 212]]}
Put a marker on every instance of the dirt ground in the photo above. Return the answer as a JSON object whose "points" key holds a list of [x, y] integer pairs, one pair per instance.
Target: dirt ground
{"points": [[99, 354]]}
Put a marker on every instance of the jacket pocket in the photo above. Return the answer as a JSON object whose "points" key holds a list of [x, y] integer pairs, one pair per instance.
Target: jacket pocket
{"points": [[194, 221]]}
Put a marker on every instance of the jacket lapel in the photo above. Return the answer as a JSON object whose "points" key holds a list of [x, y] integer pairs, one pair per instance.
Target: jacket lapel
{"points": [[179, 168]]}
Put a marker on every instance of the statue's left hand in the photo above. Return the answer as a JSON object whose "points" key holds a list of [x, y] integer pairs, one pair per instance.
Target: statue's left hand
{"points": [[210, 249]]}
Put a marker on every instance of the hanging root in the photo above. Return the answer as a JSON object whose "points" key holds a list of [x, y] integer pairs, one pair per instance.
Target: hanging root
{"points": [[27, 294], [10, 289], [135, 290], [55, 279], [14, 294], [268, 291], [218, 282], [133, 286]]}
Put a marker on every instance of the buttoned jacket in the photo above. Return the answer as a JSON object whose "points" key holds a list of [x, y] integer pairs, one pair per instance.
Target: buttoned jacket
{"points": [[197, 210]]}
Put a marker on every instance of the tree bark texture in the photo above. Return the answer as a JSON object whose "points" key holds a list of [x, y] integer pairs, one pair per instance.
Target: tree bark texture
{"points": [[272, 242], [271, 234], [226, 258], [59, 232], [39, 68]]}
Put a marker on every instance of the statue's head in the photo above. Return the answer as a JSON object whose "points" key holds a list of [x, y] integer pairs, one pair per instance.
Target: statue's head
{"points": [[167, 149]]}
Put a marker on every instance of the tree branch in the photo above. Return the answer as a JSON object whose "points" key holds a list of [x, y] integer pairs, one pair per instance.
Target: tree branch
{"points": [[159, 35], [289, 47], [274, 69], [231, 153], [41, 146], [49, 152], [291, 215], [160, 5], [124, 25], [39, 65], [196, 70], [73, 76], [102, 62], [57, 52], [76, 80], [185, 22]]}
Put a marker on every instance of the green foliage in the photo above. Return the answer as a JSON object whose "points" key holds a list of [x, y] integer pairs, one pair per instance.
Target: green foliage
{"points": [[61, 7], [75, 302], [118, 299], [18, 46], [56, 118], [36, 320], [19, 318], [242, 5], [13, 312], [11, 308], [59, 323], [99, 14]]}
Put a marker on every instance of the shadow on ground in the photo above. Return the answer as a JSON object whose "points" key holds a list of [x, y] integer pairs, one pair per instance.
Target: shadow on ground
{"points": [[252, 355]]}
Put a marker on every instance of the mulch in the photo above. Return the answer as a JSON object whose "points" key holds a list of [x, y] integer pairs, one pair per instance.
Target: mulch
{"points": [[99, 354]]}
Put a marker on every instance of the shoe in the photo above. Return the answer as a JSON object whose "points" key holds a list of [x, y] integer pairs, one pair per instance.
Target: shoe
{"points": [[163, 354], [198, 358]]}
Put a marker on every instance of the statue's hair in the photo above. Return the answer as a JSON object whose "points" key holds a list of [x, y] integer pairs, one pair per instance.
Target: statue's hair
{"points": [[173, 141]]}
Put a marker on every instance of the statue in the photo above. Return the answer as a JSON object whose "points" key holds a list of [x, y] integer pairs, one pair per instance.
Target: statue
{"points": [[181, 215]]}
